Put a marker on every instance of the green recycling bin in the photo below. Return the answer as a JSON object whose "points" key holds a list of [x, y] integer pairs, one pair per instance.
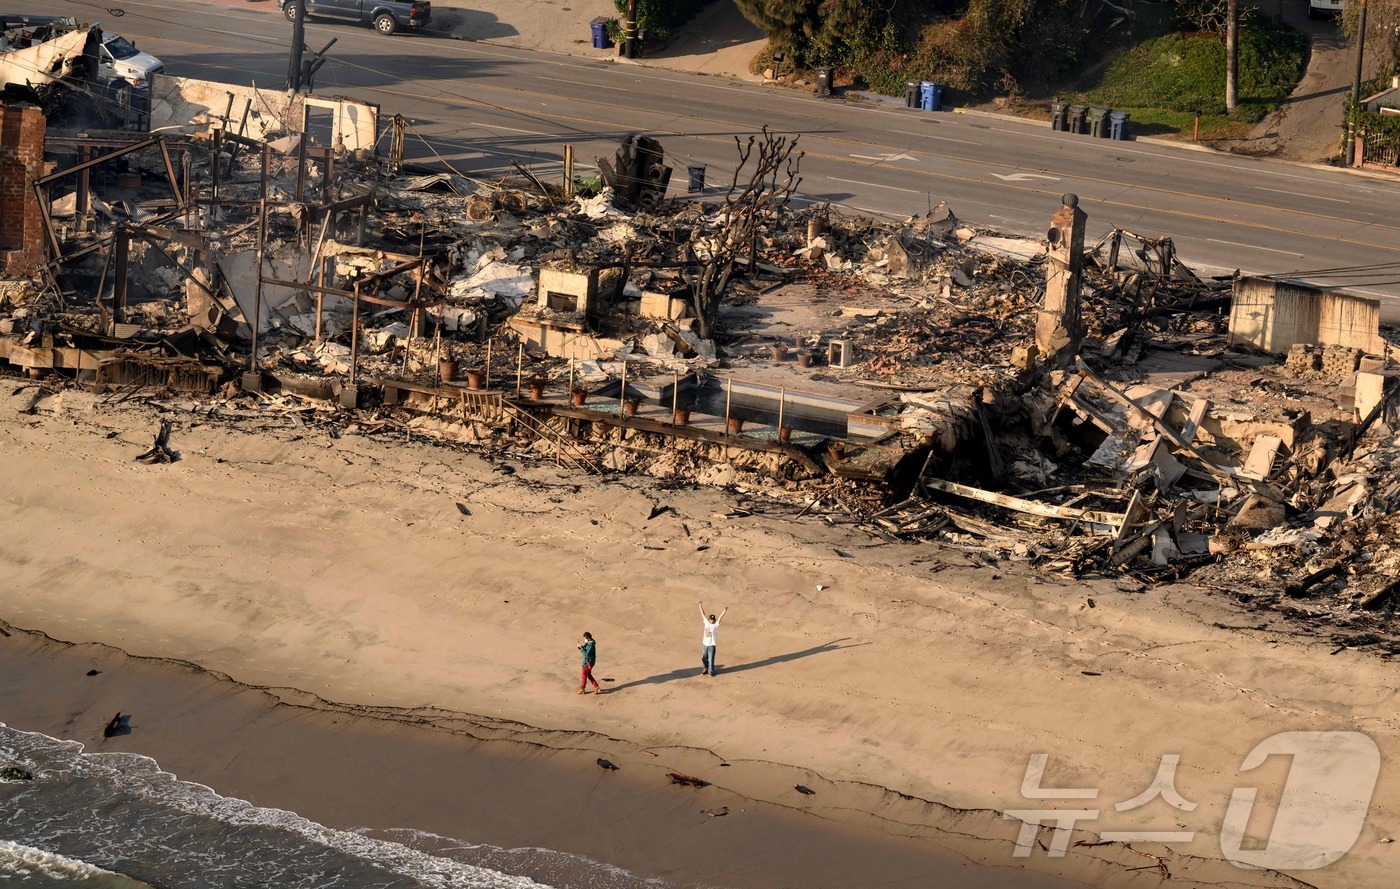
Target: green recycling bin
{"points": [[1098, 122]]}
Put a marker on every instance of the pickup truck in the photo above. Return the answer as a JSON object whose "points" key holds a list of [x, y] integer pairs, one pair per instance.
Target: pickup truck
{"points": [[119, 58], [387, 16]]}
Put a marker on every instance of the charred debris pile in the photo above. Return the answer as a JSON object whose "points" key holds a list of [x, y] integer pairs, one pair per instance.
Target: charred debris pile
{"points": [[1088, 408]]}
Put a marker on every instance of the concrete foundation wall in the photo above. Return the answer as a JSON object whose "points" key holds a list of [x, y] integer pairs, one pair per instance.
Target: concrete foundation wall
{"points": [[559, 341], [279, 305], [759, 403], [354, 125], [1274, 315], [187, 106]]}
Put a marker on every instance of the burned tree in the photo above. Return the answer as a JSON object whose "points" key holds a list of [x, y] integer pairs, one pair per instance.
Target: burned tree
{"points": [[763, 182]]}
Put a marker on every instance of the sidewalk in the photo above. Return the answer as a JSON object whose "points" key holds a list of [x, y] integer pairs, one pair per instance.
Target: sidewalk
{"points": [[718, 41]]}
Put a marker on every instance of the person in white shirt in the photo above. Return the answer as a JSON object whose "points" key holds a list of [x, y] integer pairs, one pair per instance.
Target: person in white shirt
{"points": [[707, 654]]}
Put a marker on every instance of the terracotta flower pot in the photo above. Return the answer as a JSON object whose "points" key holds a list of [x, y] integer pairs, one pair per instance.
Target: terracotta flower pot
{"points": [[578, 397], [784, 434], [475, 379], [447, 369], [734, 426], [629, 406], [804, 358], [682, 416], [780, 351]]}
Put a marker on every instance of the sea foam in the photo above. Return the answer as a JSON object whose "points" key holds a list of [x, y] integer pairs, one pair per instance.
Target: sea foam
{"points": [[21, 864], [138, 811]]}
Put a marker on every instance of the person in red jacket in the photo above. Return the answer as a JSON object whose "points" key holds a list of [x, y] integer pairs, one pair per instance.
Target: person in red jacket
{"points": [[590, 657]]}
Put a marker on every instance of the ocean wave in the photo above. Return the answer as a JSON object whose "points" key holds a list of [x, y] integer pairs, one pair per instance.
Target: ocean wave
{"points": [[21, 864], [550, 865], [169, 811]]}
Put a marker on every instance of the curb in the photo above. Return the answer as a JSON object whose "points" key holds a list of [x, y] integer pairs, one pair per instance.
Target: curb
{"points": [[1196, 146]]}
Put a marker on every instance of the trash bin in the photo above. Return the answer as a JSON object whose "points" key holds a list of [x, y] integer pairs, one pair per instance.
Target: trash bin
{"points": [[1076, 118], [1119, 125], [930, 95], [600, 33], [1057, 115], [911, 94], [1098, 122], [697, 178], [823, 81]]}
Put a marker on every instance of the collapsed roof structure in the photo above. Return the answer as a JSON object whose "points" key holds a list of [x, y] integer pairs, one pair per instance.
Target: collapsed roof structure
{"points": [[1084, 408]]}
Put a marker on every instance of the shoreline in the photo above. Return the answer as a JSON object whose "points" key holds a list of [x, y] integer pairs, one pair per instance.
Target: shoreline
{"points": [[480, 781], [288, 557]]}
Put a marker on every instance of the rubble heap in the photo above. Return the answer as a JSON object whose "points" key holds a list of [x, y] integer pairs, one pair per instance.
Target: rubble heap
{"points": [[1094, 410]]}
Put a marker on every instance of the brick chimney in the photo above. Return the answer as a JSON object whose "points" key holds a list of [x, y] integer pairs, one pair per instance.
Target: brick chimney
{"points": [[21, 162]]}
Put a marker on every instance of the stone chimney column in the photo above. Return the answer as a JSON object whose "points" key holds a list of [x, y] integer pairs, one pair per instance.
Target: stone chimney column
{"points": [[1058, 326]]}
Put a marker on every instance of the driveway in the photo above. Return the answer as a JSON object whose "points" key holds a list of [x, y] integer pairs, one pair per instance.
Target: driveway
{"points": [[1306, 127]]}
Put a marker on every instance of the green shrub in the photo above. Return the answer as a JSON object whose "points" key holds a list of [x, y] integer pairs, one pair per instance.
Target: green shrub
{"points": [[659, 17], [990, 45], [1185, 72]]}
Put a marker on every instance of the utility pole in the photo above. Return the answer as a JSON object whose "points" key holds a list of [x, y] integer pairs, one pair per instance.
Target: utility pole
{"points": [[629, 31], [294, 80], [1232, 57], [1349, 149]]}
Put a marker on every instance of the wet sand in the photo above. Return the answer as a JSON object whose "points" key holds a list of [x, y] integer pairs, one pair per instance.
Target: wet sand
{"points": [[907, 685], [467, 778]]}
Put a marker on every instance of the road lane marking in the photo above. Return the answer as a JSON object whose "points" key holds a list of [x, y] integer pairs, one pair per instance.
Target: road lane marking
{"points": [[1254, 247], [584, 83], [495, 126], [932, 136], [1314, 197], [885, 158], [874, 185], [1024, 177]]}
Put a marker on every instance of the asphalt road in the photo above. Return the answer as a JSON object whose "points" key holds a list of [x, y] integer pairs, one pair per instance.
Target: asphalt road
{"points": [[478, 105]]}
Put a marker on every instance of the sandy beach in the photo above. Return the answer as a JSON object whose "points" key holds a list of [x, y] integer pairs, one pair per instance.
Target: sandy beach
{"points": [[906, 685]]}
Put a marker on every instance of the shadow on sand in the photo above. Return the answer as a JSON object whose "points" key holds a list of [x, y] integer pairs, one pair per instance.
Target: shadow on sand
{"points": [[659, 678]]}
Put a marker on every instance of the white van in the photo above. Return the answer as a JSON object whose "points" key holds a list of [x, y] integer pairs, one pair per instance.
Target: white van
{"points": [[1324, 9], [119, 57]]}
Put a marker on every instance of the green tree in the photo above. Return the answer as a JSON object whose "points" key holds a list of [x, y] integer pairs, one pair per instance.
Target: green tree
{"points": [[818, 31], [1382, 32]]}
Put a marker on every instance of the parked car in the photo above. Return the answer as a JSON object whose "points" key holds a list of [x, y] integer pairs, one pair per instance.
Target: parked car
{"points": [[118, 58], [387, 16], [1324, 9]]}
